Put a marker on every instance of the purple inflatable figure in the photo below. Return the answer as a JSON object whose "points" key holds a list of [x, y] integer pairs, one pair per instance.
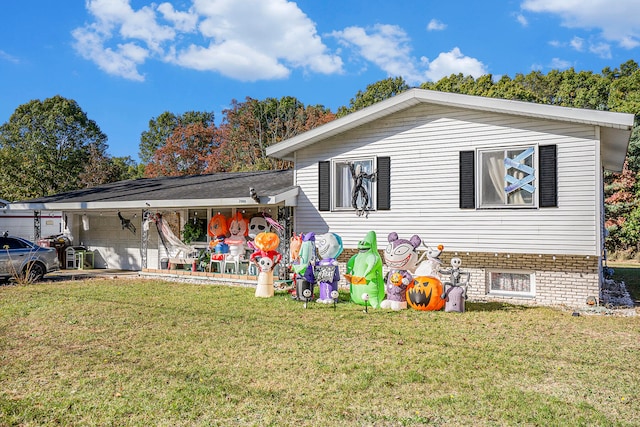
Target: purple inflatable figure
{"points": [[401, 257], [326, 271]]}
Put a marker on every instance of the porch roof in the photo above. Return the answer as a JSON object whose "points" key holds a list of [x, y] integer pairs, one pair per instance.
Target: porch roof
{"points": [[220, 189]]}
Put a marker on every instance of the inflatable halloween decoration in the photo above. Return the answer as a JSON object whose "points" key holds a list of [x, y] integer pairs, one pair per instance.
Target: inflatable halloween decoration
{"points": [[364, 272], [266, 258], [294, 247], [430, 265], [218, 227], [455, 289], [326, 271], [303, 268], [258, 224], [426, 291], [218, 230], [237, 241], [400, 256], [359, 192]]}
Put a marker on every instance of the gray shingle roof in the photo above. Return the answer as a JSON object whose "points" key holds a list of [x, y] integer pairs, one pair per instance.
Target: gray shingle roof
{"points": [[196, 187]]}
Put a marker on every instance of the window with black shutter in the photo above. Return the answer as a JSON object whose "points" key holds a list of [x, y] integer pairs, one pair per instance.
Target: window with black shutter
{"points": [[509, 177]]}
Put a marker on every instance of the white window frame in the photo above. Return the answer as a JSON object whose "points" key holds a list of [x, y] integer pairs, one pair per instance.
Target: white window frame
{"points": [[335, 181], [500, 292], [533, 184]]}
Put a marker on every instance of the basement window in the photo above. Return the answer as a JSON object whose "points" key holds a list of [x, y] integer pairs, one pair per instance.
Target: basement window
{"points": [[517, 283]]}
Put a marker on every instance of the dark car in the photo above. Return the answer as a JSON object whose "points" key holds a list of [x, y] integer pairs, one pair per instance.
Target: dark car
{"points": [[20, 257]]}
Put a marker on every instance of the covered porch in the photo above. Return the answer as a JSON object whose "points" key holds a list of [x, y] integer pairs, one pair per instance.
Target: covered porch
{"points": [[111, 221]]}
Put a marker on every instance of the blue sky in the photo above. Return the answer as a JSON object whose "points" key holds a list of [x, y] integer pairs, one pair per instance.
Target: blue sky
{"points": [[127, 61]]}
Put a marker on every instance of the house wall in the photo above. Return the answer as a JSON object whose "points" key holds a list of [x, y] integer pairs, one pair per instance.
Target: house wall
{"points": [[113, 246], [423, 143]]}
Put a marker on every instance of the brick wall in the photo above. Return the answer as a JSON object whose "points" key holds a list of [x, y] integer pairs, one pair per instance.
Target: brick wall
{"points": [[559, 279]]}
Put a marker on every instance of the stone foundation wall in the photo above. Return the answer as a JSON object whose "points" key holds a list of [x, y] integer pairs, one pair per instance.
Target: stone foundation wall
{"points": [[566, 280]]}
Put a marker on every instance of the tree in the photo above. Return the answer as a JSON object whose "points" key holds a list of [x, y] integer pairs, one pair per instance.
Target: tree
{"points": [[187, 151], [249, 127], [375, 92], [45, 146], [161, 128], [102, 169]]}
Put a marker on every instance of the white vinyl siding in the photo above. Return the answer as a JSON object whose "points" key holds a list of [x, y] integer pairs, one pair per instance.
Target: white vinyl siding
{"points": [[423, 143]]}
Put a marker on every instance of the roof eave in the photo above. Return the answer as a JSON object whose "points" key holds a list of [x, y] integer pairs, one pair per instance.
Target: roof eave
{"points": [[604, 119], [288, 196]]}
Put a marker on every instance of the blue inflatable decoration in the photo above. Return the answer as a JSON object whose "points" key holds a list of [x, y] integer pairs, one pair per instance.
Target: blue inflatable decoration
{"points": [[364, 273], [326, 271]]}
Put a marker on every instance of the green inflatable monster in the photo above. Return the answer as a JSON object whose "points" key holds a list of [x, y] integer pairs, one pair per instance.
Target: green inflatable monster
{"points": [[364, 272]]}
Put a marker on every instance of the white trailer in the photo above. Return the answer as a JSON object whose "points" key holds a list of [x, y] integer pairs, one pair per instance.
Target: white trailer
{"points": [[22, 223]]}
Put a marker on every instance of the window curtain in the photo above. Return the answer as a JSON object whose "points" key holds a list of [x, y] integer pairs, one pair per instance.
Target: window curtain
{"points": [[493, 181]]}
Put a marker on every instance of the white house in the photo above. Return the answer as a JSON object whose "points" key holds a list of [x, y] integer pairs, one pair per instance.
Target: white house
{"points": [[513, 188]]}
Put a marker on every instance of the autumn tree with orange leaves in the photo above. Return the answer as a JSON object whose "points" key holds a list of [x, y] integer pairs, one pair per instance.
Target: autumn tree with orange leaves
{"points": [[188, 151]]}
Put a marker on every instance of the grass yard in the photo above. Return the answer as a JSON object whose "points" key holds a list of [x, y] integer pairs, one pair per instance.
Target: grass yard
{"points": [[629, 272], [141, 353]]}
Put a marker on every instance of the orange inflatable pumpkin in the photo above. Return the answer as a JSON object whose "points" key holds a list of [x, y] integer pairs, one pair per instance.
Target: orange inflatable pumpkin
{"points": [[267, 241], [424, 294]]}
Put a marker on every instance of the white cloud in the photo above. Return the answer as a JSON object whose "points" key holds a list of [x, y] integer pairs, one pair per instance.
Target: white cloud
{"points": [[182, 21], [249, 40], [122, 62], [9, 58], [617, 20], [277, 29], [577, 43], [388, 47], [522, 20], [559, 64], [603, 50], [435, 25], [454, 62]]}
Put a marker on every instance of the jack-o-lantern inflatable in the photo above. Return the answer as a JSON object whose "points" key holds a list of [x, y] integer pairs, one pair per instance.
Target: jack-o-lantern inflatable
{"points": [[425, 294]]}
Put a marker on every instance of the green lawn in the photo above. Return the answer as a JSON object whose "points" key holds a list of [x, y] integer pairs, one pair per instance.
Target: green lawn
{"points": [[629, 272], [151, 353]]}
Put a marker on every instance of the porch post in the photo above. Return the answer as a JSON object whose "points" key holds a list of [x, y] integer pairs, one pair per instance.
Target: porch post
{"points": [[36, 226]]}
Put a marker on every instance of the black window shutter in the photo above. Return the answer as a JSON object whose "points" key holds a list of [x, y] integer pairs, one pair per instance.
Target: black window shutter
{"points": [[467, 180], [383, 199], [324, 186], [548, 176]]}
